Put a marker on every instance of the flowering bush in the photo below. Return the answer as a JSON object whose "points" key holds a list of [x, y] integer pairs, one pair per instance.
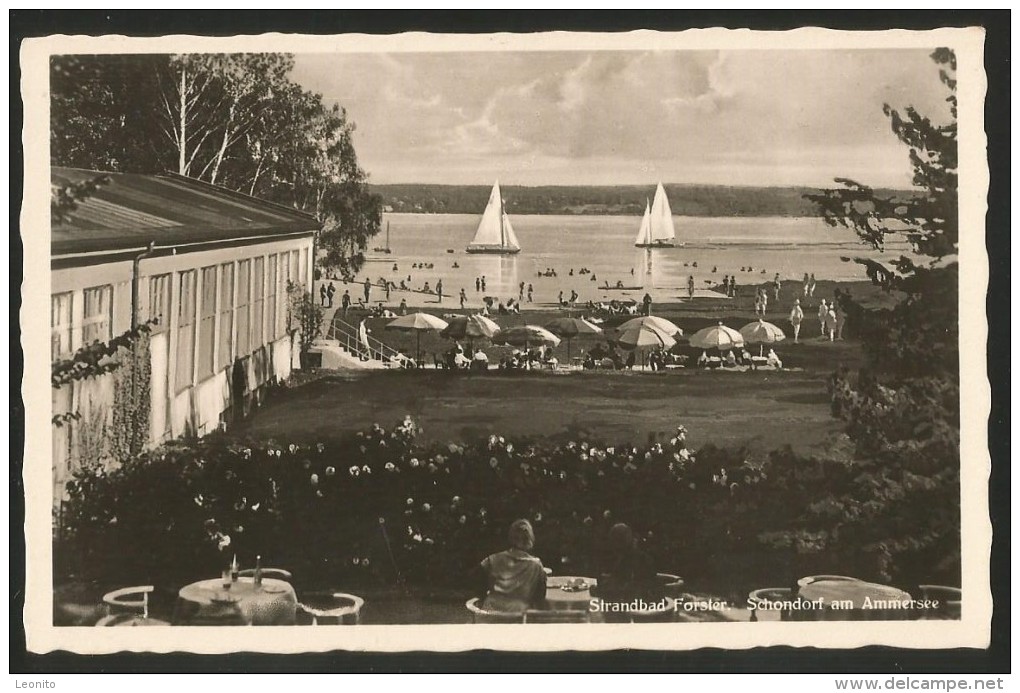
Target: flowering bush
{"points": [[377, 507]]}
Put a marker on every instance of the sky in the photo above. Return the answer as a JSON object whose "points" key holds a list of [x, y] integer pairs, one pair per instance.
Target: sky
{"points": [[775, 117]]}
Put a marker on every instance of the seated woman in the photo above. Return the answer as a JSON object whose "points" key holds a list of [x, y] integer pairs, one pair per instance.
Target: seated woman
{"points": [[731, 359], [514, 579], [480, 360], [703, 359]]}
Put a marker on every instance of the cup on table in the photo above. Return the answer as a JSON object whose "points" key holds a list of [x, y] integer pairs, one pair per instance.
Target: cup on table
{"points": [[227, 579]]}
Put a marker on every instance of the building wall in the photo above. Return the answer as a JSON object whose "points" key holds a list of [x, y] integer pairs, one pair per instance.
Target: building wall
{"points": [[210, 353]]}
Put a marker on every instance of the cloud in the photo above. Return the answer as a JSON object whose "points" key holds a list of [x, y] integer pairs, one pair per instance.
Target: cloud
{"points": [[745, 117]]}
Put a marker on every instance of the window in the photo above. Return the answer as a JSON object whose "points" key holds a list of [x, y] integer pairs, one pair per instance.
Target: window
{"points": [[207, 323], [60, 324], [186, 331], [226, 313], [159, 302], [258, 303], [96, 326], [272, 309], [243, 308]]}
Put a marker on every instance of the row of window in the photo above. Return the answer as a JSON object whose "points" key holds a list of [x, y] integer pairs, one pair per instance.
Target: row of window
{"points": [[238, 306]]}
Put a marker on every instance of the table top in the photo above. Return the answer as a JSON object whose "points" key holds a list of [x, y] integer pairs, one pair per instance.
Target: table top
{"points": [[556, 596], [856, 591], [274, 602], [212, 591]]}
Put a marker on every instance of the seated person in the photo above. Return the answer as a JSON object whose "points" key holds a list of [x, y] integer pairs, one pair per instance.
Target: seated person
{"points": [[588, 363], [631, 359], [514, 579], [703, 359], [628, 573], [731, 359], [480, 360], [773, 360]]}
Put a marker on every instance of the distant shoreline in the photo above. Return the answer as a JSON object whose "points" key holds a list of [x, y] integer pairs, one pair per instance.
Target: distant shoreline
{"points": [[601, 200]]}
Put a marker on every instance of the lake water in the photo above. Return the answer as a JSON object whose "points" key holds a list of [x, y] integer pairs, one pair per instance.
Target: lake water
{"points": [[744, 246]]}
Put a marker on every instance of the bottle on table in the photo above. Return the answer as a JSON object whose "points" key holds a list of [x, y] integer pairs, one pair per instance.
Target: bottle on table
{"points": [[257, 579], [234, 569]]}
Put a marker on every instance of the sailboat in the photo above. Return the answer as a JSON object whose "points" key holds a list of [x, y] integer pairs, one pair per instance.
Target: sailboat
{"points": [[656, 230], [495, 233]]}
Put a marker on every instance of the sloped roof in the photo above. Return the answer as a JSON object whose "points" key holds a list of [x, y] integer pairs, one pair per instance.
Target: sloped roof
{"points": [[133, 210]]}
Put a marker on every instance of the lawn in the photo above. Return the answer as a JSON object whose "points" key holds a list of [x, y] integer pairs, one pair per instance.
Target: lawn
{"points": [[764, 409]]}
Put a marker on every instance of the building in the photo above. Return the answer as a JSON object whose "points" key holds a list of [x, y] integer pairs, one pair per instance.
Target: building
{"points": [[210, 266]]}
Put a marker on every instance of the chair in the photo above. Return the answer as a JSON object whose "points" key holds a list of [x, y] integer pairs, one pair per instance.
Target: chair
{"points": [[128, 606], [555, 616], [672, 585], [950, 601], [335, 609], [480, 615], [770, 594], [273, 573], [805, 581]]}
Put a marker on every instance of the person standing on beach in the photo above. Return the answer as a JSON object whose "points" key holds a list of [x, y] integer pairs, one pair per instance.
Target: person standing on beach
{"points": [[733, 286], [478, 284], [520, 295], [439, 290], [690, 286], [368, 290], [777, 285], [830, 322], [388, 286], [531, 291], [823, 315], [403, 306], [483, 282], [345, 302], [811, 290], [322, 294], [764, 302], [796, 318], [463, 299], [647, 302], [807, 284]]}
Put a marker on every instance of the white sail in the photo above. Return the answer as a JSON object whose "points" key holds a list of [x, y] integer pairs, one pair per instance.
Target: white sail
{"points": [[489, 231], [662, 230], [495, 234], [509, 237], [644, 234]]}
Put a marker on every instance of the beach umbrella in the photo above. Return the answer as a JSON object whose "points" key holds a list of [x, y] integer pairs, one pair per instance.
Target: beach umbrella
{"points": [[528, 335], [762, 333], [471, 327], [643, 335], [417, 323], [568, 328], [717, 337], [661, 324]]}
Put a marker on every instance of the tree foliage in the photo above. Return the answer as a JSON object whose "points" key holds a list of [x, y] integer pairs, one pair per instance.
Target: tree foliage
{"points": [[900, 494], [236, 120]]}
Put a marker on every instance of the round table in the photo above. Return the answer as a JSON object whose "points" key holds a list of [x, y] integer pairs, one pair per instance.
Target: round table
{"points": [[848, 599], [558, 598], [206, 602]]}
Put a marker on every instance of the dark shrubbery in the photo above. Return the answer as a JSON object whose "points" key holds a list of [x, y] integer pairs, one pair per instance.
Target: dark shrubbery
{"points": [[375, 508]]}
